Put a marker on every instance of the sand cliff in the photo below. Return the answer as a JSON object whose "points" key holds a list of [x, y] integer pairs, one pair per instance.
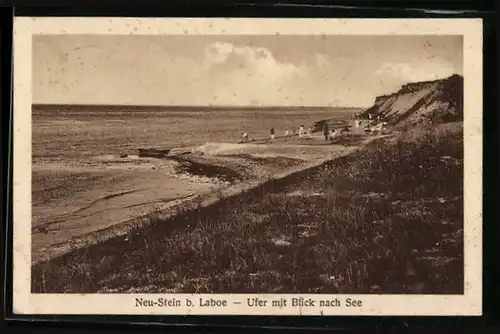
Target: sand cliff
{"points": [[438, 101]]}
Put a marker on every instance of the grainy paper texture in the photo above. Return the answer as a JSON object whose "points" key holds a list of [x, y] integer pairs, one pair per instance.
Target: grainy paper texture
{"points": [[119, 122]]}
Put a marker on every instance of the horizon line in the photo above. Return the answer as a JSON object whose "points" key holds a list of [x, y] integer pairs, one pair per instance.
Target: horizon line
{"points": [[194, 106]]}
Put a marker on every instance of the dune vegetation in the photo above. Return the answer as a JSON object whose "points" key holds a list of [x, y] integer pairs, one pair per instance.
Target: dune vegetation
{"points": [[387, 218]]}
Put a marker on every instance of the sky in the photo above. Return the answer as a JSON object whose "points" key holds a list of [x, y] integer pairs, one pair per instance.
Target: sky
{"points": [[274, 70]]}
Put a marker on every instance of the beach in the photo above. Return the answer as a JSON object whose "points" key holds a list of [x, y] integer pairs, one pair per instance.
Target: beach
{"points": [[87, 175]]}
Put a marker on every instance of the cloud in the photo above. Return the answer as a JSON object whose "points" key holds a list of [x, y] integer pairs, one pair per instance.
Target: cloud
{"points": [[249, 58], [322, 61], [406, 73], [252, 75], [218, 52]]}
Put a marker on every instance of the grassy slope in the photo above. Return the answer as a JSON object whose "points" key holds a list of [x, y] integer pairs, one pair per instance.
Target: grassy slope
{"points": [[387, 219]]}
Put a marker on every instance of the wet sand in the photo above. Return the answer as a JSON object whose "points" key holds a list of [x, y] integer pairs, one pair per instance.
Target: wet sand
{"points": [[75, 198], [71, 200]]}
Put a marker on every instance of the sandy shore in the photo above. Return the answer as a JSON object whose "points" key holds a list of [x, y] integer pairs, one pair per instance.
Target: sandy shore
{"points": [[75, 203]]}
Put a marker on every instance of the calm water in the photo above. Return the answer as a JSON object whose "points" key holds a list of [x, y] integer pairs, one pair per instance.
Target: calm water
{"points": [[91, 132]]}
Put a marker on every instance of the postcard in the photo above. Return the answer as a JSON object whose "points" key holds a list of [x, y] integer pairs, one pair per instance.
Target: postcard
{"points": [[247, 166]]}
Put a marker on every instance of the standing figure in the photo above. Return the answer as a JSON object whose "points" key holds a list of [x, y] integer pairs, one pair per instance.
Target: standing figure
{"points": [[272, 133], [301, 131], [286, 132], [245, 137], [326, 131]]}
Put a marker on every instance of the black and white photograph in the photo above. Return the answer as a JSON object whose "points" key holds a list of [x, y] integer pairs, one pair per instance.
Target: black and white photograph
{"points": [[259, 172]]}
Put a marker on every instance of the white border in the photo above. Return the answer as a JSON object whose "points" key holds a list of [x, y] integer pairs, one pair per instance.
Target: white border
{"points": [[471, 29]]}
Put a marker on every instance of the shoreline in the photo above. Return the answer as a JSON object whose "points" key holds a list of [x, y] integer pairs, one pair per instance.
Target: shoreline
{"points": [[176, 206], [309, 210]]}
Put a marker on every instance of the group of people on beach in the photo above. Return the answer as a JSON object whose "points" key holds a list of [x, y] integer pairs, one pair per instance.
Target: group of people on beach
{"points": [[301, 133], [327, 133], [272, 133]]}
